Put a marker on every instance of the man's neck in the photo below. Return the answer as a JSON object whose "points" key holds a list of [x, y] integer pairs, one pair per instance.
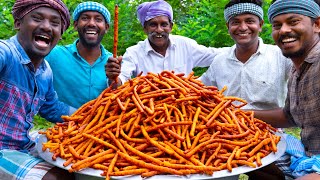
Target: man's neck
{"points": [[89, 54], [244, 52]]}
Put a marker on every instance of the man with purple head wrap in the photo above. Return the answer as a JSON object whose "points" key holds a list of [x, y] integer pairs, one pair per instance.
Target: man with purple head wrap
{"points": [[26, 87], [161, 50]]}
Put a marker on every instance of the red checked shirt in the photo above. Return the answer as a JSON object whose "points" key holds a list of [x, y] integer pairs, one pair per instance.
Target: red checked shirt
{"points": [[303, 101]]}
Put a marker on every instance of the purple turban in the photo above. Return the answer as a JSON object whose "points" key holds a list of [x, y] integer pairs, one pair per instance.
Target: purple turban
{"points": [[23, 7], [149, 10]]}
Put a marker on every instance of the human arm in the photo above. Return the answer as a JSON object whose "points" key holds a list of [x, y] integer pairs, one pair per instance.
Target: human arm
{"points": [[113, 70], [208, 78], [50, 107], [275, 117], [203, 56], [53, 109]]}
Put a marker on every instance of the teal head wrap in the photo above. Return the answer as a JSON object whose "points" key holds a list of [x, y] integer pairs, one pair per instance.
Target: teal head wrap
{"points": [[242, 8], [304, 7]]}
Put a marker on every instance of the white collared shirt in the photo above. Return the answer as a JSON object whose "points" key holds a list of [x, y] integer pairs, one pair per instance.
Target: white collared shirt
{"points": [[182, 55], [261, 81]]}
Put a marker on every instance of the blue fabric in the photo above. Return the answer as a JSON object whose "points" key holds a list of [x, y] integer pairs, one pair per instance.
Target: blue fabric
{"points": [[24, 92], [17, 164], [91, 6], [74, 79], [303, 7], [301, 164]]}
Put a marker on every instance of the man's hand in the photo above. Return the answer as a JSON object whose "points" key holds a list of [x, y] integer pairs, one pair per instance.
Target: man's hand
{"points": [[113, 69], [312, 176]]}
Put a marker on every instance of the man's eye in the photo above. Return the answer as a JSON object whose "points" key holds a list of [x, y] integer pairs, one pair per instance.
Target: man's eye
{"points": [[164, 24], [276, 26], [36, 18], [55, 23], [234, 23]]}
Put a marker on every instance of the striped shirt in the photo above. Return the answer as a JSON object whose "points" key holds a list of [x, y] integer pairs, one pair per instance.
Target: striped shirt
{"points": [[303, 101], [24, 92]]}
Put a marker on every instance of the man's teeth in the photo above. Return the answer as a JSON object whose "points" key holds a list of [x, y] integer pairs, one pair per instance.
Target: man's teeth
{"points": [[244, 34], [91, 32], [159, 36], [45, 37], [288, 40]]}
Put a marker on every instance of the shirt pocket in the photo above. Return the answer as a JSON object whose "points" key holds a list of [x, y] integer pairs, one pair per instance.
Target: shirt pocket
{"points": [[264, 91]]}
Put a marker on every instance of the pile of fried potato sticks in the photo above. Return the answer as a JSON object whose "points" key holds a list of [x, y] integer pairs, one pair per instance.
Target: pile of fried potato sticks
{"points": [[161, 124]]}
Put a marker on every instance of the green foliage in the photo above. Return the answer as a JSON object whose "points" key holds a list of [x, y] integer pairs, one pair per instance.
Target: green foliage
{"points": [[41, 123], [201, 20], [204, 22]]}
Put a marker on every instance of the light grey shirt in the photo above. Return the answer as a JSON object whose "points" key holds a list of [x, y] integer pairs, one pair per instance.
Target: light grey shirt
{"points": [[261, 81]]}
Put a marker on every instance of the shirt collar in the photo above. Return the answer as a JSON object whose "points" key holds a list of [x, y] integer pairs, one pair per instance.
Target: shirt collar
{"points": [[261, 49], [313, 55], [25, 58], [74, 50], [148, 47]]}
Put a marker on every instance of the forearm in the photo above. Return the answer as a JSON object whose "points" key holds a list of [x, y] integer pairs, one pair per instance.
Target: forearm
{"points": [[275, 117]]}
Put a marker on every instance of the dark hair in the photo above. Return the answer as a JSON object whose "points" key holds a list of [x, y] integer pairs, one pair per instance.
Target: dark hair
{"points": [[233, 2]]}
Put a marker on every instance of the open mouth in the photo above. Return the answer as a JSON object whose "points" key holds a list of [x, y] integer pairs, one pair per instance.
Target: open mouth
{"points": [[91, 32], [288, 40], [42, 40], [243, 34]]}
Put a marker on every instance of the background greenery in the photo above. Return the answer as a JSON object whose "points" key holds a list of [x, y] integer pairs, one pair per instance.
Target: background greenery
{"points": [[201, 20]]}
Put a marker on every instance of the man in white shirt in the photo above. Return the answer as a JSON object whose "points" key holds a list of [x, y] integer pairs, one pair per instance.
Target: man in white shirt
{"points": [[250, 69], [161, 50]]}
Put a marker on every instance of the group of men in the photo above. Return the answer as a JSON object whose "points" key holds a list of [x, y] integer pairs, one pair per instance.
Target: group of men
{"points": [[38, 77]]}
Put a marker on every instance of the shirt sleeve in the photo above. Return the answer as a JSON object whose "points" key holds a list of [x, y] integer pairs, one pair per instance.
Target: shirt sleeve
{"points": [[3, 57], [208, 78], [53, 109], [286, 110], [202, 55]]}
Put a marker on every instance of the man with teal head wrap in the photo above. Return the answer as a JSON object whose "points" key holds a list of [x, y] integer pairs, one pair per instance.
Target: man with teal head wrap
{"points": [[295, 29], [78, 68]]}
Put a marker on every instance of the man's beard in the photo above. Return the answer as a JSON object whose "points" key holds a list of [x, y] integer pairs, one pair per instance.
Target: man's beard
{"points": [[90, 44], [297, 54]]}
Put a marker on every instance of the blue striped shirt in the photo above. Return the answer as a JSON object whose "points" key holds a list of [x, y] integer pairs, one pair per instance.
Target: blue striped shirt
{"points": [[24, 92]]}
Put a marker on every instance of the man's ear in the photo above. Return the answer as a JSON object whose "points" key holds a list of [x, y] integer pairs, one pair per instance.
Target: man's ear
{"points": [[17, 24], [317, 25], [107, 26], [261, 24], [227, 24], [75, 24]]}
